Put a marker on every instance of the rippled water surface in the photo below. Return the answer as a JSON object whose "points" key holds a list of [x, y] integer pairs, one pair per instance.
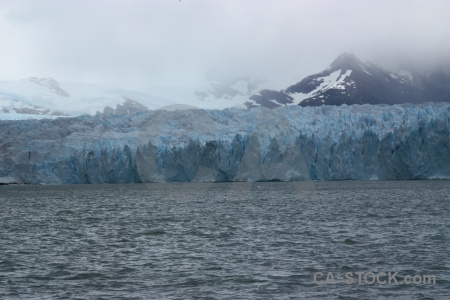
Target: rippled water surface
{"points": [[223, 240]]}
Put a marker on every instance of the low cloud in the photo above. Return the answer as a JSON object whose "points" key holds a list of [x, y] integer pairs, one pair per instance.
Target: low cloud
{"points": [[142, 43]]}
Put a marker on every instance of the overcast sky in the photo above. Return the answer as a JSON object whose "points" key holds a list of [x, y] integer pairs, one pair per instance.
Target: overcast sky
{"points": [[140, 43]]}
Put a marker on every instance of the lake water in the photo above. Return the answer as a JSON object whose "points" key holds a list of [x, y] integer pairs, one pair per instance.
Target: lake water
{"points": [[225, 240]]}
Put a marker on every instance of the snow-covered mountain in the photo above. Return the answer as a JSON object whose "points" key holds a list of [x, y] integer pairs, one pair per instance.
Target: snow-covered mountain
{"points": [[366, 142], [45, 97], [346, 81], [215, 92], [37, 98], [350, 81], [231, 91]]}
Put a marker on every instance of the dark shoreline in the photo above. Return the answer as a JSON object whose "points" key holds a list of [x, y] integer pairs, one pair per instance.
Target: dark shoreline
{"points": [[209, 182]]}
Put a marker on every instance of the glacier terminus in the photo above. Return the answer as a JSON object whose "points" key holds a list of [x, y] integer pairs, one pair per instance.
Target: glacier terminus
{"points": [[358, 142]]}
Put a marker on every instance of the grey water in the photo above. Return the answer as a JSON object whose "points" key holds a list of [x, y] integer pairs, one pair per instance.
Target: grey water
{"points": [[224, 240]]}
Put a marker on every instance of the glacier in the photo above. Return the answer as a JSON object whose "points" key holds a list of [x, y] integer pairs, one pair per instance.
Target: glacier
{"points": [[358, 142]]}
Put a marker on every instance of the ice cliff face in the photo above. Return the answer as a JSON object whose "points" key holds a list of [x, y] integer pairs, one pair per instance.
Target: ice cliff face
{"points": [[287, 143]]}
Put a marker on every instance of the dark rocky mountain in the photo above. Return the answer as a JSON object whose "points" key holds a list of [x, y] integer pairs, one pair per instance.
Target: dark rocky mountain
{"points": [[350, 81]]}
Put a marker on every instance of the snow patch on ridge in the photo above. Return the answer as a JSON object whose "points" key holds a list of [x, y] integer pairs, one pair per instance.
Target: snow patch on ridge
{"points": [[364, 70], [335, 80], [406, 75]]}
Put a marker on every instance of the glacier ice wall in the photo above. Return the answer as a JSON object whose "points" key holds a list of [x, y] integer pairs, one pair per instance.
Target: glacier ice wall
{"points": [[288, 143]]}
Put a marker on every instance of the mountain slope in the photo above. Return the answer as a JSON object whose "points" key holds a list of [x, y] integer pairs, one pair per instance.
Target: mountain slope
{"points": [[346, 81], [350, 81], [47, 97]]}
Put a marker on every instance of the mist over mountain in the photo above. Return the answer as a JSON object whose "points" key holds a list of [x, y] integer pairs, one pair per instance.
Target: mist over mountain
{"points": [[349, 81], [35, 97], [177, 43]]}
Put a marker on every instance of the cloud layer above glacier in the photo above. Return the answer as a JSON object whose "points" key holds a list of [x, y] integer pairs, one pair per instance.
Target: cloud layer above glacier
{"points": [[141, 43]]}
